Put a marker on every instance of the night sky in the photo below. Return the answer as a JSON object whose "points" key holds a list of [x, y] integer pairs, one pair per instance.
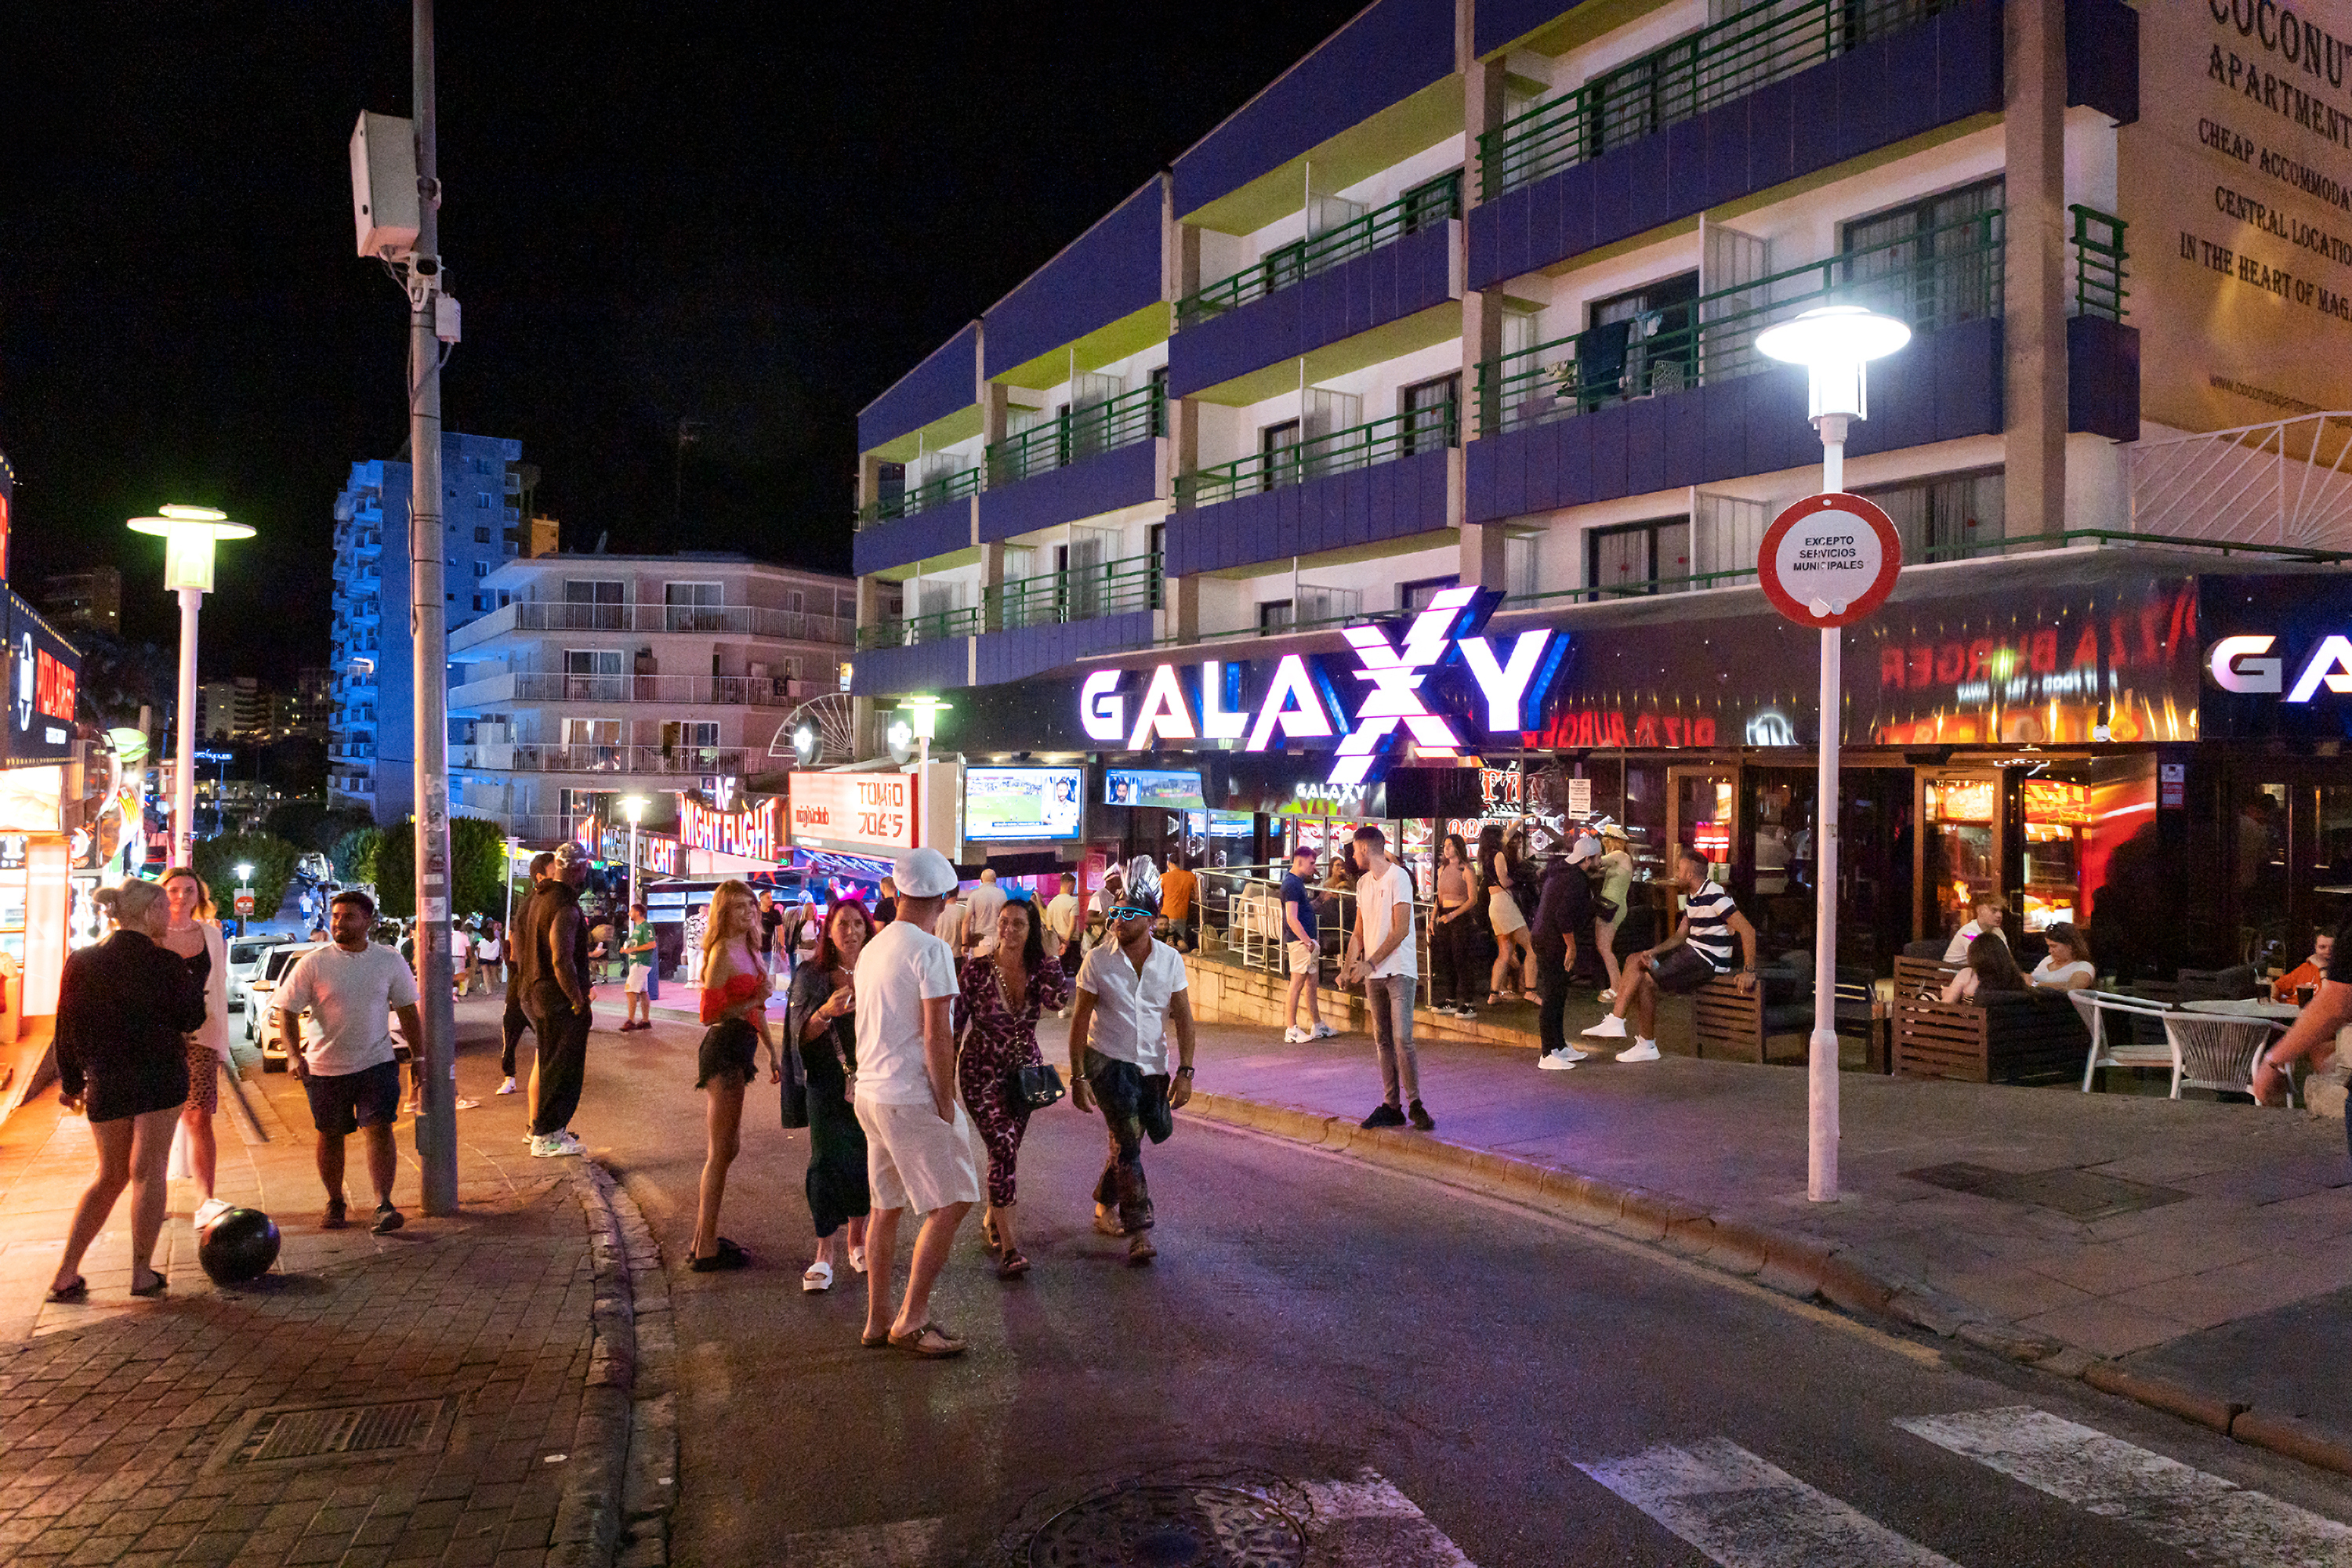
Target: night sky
{"points": [[755, 216]]}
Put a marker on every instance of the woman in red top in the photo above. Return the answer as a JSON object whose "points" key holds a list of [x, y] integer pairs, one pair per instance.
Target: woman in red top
{"points": [[1002, 993]]}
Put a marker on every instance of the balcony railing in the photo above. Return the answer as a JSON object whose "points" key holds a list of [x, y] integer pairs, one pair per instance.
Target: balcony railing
{"points": [[933, 626], [731, 620], [670, 762], [2099, 257], [1679, 80], [934, 492], [1430, 429], [1425, 206], [1082, 593], [688, 691], [1071, 437], [1933, 279]]}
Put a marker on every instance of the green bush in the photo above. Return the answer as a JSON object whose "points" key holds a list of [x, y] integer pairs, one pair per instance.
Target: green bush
{"points": [[272, 859], [477, 847], [354, 854]]}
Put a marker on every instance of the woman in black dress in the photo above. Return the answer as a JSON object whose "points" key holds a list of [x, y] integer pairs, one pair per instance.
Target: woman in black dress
{"points": [[125, 1008], [824, 1021]]}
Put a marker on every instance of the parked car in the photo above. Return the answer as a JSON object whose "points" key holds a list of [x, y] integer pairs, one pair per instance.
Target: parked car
{"points": [[260, 1019], [245, 954]]}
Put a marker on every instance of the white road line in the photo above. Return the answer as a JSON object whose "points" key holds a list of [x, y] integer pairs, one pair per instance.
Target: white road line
{"points": [[2203, 1516], [1745, 1512], [906, 1543], [1367, 1521]]}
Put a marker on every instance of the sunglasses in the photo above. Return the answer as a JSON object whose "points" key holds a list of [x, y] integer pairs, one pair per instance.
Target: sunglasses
{"points": [[1128, 912]]}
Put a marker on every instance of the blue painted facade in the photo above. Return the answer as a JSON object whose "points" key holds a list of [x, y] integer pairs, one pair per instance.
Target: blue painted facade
{"points": [[2103, 377], [918, 536], [1944, 385], [1111, 271], [1386, 501], [2103, 57], [1018, 655], [946, 381], [1399, 279], [1105, 482], [1390, 51], [916, 667], [1945, 70], [374, 655]]}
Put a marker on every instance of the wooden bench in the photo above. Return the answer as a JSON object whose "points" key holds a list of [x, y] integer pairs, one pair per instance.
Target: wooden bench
{"points": [[1731, 1021], [1737, 1027], [2010, 1037]]}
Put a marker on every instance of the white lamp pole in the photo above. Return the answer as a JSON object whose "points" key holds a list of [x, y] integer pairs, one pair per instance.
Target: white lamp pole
{"points": [[189, 533], [634, 805], [1834, 343]]}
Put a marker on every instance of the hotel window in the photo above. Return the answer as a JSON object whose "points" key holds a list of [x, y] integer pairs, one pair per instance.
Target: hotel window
{"points": [[482, 536], [1279, 446], [1432, 417], [1641, 342], [1414, 597], [1941, 518], [1932, 263], [692, 606], [1639, 556], [1275, 615], [595, 605]]}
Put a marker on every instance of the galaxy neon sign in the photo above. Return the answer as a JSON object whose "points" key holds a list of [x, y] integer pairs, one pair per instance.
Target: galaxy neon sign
{"points": [[1384, 696], [2250, 663]]}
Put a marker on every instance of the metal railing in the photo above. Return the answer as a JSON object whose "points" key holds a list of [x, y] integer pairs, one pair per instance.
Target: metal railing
{"points": [[938, 491], [2287, 483], [754, 691], [1933, 279], [1078, 435], [1240, 915], [1737, 56], [526, 757], [732, 619], [1081, 593], [2099, 257], [933, 626], [1430, 429], [1423, 207]]}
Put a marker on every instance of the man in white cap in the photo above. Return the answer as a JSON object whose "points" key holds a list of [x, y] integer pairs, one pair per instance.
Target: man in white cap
{"points": [[1563, 913], [919, 1146]]}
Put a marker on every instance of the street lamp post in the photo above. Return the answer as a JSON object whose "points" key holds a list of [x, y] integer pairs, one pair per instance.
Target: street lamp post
{"points": [[634, 805], [1834, 343], [245, 884], [189, 534]]}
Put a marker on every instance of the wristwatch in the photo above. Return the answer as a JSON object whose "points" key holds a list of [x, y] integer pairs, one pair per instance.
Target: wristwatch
{"points": [[1185, 1071]]}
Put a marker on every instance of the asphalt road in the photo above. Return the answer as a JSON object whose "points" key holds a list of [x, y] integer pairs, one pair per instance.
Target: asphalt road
{"points": [[1475, 1374]]}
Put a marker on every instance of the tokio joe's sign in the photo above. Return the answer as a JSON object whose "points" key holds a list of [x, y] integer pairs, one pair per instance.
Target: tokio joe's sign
{"points": [[1438, 691], [853, 812]]}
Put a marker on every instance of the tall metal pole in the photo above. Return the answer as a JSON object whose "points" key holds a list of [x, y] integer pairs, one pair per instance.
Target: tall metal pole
{"points": [[1822, 1056], [183, 776], [436, 1118]]}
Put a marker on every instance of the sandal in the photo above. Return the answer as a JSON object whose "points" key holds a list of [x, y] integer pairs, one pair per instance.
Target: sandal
{"points": [[874, 1340], [1141, 1249], [156, 1286], [726, 1255], [77, 1292], [1108, 1224], [1011, 1265], [942, 1345], [816, 1278], [988, 1238]]}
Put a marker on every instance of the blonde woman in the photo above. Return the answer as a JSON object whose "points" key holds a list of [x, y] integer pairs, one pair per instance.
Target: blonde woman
{"points": [[735, 987], [192, 932], [1498, 864], [1616, 868]]}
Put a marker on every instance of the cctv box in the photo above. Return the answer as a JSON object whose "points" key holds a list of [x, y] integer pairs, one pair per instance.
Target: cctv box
{"points": [[384, 184]]}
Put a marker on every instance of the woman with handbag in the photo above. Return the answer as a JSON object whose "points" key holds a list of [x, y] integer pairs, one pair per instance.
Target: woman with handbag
{"points": [[734, 1006], [1616, 869], [823, 1023], [1003, 1074]]}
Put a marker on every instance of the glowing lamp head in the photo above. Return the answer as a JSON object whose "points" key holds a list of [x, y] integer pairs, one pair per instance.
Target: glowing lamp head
{"points": [[923, 716], [633, 806], [244, 871], [189, 534], [1833, 343]]}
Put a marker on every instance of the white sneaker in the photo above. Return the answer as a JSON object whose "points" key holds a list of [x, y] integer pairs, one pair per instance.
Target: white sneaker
{"points": [[1610, 1028], [212, 1208], [1560, 1060], [1294, 1035], [508, 1087], [1643, 1050], [555, 1146], [1324, 1031]]}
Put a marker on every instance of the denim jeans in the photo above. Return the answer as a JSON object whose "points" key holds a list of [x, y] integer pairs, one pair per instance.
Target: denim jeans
{"points": [[1388, 998]]}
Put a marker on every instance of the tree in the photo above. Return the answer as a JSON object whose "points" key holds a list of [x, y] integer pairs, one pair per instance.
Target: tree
{"points": [[354, 854], [477, 848], [272, 859]]}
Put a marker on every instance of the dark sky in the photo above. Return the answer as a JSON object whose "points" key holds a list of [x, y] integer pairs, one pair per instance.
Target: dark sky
{"points": [[754, 216]]}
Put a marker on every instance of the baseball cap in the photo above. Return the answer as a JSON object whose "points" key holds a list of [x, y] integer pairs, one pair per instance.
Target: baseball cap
{"points": [[1587, 848], [570, 853], [923, 873]]}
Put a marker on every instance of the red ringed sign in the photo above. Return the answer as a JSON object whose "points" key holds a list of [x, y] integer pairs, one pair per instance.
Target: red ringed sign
{"points": [[1828, 560]]}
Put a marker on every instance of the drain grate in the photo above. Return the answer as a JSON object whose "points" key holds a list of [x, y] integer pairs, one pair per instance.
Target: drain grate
{"points": [[2076, 1194], [340, 1432], [1169, 1527]]}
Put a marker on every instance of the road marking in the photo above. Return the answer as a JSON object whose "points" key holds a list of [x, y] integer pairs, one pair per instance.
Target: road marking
{"points": [[1367, 1521], [2204, 1517], [906, 1544], [1745, 1512]]}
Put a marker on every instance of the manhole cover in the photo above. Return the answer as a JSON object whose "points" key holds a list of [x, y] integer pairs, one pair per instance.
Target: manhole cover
{"points": [[2076, 1194], [1169, 1527], [337, 1432]]}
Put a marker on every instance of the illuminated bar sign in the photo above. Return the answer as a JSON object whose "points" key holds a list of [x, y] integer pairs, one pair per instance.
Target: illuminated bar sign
{"points": [[753, 830], [44, 679], [857, 813], [1386, 697]]}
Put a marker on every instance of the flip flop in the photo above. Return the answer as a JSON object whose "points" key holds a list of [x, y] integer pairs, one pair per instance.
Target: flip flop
{"points": [[77, 1292], [1011, 1265], [913, 1344], [152, 1289]]}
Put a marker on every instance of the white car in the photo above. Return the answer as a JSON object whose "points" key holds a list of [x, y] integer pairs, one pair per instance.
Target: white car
{"points": [[261, 1018], [244, 956]]}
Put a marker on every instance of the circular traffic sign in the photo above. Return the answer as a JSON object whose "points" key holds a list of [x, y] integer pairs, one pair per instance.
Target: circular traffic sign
{"points": [[1828, 560]]}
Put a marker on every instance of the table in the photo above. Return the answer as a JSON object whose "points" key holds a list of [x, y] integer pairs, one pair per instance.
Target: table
{"points": [[2249, 1007]]}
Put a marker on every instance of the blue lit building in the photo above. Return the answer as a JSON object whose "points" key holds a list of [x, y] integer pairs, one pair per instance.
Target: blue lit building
{"points": [[371, 743]]}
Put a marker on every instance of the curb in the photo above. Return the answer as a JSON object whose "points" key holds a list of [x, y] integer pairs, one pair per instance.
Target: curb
{"points": [[618, 1488], [1803, 1267]]}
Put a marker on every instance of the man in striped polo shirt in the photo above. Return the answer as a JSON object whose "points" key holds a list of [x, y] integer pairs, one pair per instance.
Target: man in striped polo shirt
{"points": [[1698, 951]]}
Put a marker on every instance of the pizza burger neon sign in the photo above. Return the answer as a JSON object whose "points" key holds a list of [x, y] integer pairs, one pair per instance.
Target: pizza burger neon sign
{"points": [[1308, 698]]}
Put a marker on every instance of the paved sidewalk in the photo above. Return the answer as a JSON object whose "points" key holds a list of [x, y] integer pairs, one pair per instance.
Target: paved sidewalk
{"points": [[2195, 1234], [144, 1432]]}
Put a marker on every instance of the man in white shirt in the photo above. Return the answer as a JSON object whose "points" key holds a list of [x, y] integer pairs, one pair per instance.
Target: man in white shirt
{"points": [[344, 1057], [982, 907], [954, 925], [1391, 968], [1064, 926], [920, 1150], [1131, 989], [1990, 911]]}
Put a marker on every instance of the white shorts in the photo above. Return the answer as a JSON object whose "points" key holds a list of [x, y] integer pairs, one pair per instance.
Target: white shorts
{"points": [[636, 980], [914, 1160], [1306, 957]]}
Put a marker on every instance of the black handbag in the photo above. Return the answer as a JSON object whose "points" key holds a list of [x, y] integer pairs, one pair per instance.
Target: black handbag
{"points": [[1604, 909], [1031, 1086]]}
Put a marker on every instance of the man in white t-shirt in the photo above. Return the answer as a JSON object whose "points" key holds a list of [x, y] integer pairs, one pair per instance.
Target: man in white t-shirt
{"points": [[954, 922], [1991, 913], [983, 904], [1391, 968], [920, 1150], [344, 1055], [1064, 927], [1131, 990]]}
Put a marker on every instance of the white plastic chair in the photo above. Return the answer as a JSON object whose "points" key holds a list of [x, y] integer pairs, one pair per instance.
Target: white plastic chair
{"points": [[2216, 1052], [2094, 1005]]}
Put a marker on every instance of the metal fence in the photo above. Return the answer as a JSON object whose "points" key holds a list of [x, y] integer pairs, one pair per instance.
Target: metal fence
{"points": [[1239, 910], [1079, 433], [1423, 207], [1430, 429]]}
